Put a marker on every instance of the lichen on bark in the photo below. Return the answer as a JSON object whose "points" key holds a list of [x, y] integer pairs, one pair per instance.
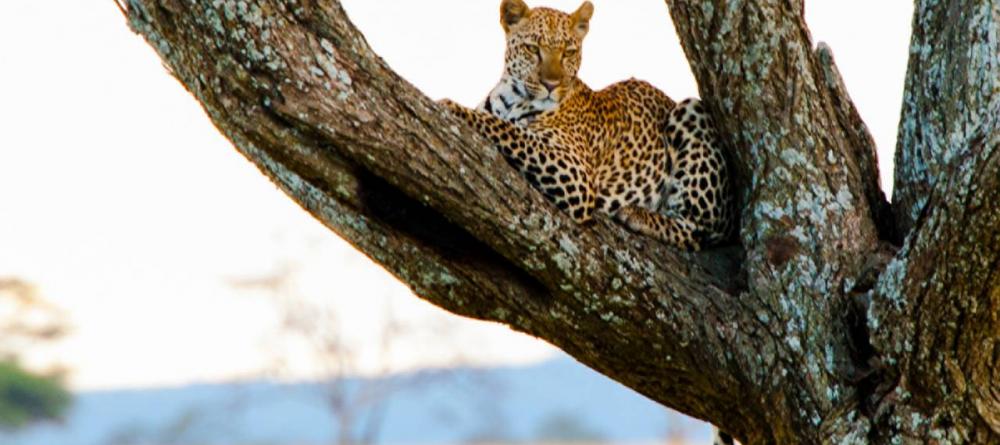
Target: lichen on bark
{"points": [[834, 320]]}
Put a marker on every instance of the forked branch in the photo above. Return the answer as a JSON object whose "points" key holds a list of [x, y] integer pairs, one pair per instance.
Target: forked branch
{"points": [[299, 92], [766, 347]]}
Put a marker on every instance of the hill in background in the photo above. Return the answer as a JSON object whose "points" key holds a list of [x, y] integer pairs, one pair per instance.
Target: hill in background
{"points": [[555, 401]]}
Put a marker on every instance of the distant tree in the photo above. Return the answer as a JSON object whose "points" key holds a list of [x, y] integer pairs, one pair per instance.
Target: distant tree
{"points": [[356, 396], [25, 320], [26, 397]]}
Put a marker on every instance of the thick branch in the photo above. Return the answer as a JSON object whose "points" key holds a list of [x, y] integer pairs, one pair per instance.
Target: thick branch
{"points": [[934, 313], [952, 97], [299, 92], [814, 205]]}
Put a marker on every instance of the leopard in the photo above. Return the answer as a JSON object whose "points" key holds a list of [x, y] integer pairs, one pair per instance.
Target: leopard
{"points": [[627, 151]]}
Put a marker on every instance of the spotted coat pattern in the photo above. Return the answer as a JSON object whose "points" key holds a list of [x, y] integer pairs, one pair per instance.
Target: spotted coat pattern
{"points": [[627, 151]]}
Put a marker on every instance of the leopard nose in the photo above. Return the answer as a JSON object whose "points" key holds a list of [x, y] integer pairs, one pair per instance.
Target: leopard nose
{"points": [[550, 85]]}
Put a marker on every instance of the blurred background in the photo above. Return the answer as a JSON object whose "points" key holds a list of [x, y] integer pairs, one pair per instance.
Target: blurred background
{"points": [[156, 289]]}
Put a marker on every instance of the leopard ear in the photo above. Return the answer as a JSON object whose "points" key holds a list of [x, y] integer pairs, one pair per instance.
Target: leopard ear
{"points": [[512, 12], [581, 18]]}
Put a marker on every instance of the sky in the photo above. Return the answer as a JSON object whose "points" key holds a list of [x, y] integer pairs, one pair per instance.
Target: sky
{"points": [[121, 201]]}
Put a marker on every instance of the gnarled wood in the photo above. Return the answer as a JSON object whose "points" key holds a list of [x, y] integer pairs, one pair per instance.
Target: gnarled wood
{"points": [[797, 337], [809, 223], [950, 99], [936, 311], [301, 95]]}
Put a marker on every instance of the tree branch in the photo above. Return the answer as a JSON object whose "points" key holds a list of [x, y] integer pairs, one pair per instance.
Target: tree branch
{"points": [[299, 92], [950, 98], [814, 209], [771, 346], [934, 312]]}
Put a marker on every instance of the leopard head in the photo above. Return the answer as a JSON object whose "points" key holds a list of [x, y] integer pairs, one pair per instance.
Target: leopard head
{"points": [[544, 48]]}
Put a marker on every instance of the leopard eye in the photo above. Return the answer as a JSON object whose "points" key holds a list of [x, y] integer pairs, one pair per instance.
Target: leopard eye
{"points": [[572, 52], [534, 50]]}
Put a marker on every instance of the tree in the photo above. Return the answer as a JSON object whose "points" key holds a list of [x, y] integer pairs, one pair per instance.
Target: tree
{"points": [[839, 318], [26, 397], [357, 401], [25, 320]]}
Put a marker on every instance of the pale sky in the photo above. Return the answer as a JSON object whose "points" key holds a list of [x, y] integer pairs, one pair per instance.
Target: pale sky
{"points": [[123, 203]]}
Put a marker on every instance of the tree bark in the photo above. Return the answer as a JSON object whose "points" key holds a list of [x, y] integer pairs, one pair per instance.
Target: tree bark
{"points": [[818, 328]]}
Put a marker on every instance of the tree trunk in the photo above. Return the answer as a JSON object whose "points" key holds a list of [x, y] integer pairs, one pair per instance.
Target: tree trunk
{"points": [[833, 322]]}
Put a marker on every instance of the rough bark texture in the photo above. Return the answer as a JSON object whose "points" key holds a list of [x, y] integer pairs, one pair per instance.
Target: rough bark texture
{"points": [[797, 336], [936, 310]]}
